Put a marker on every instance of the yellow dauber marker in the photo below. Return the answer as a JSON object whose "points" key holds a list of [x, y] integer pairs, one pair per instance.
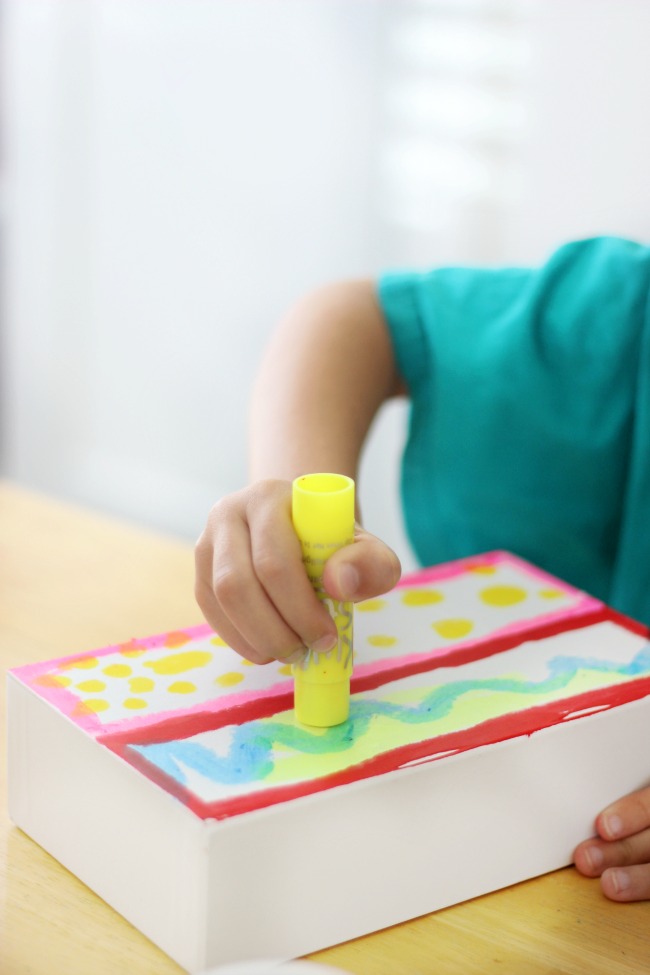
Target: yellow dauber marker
{"points": [[323, 518]]}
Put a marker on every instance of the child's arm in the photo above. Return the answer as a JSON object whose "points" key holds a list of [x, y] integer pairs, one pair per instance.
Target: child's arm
{"points": [[620, 854], [325, 375]]}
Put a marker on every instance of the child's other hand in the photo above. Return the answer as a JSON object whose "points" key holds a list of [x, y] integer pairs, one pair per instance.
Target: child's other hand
{"points": [[620, 854], [252, 586]]}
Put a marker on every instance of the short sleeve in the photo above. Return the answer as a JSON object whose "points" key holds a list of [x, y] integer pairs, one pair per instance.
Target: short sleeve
{"points": [[527, 398]]}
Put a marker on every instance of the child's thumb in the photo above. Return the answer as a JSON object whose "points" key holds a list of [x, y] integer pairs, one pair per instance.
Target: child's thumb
{"points": [[364, 569]]}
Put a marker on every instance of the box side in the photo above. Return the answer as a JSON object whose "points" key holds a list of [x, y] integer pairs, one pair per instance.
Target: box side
{"points": [[129, 841], [306, 875]]}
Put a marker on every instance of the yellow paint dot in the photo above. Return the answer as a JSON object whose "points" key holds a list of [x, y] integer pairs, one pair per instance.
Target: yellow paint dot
{"points": [[503, 595], [218, 642], [227, 680], [286, 670], [378, 640], [484, 570], [53, 680], [453, 629], [248, 663], [177, 639], [92, 685], [370, 605], [551, 593], [178, 663], [96, 705], [422, 597], [135, 703], [118, 670], [84, 663], [140, 684], [182, 687]]}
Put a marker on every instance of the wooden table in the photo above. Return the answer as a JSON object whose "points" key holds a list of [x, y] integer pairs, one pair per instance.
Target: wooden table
{"points": [[71, 580]]}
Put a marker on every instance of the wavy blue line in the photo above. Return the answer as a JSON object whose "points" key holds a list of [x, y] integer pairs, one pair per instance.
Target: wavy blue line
{"points": [[250, 758]]}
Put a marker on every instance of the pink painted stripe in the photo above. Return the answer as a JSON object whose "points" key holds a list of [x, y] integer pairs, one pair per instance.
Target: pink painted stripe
{"points": [[451, 570]]}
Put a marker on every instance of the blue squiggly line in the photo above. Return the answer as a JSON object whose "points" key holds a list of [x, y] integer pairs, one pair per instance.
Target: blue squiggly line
{"points": [[250, 758]]}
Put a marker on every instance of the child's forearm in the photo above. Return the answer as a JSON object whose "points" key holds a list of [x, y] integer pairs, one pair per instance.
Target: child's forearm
{"points": [[325, 375]]}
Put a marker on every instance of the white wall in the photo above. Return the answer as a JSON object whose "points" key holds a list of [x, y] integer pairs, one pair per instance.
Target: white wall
{"points": [[510, 127], [177, 172]]}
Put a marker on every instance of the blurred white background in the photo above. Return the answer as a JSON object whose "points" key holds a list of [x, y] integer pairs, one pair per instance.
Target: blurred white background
{"points": [[176, 173]]}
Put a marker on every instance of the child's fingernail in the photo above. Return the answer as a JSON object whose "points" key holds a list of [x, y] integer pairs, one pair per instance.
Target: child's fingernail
{"points": [[594, 858], [348, 580], [620, 880], [324, 643], [295, 657], [613, 825]]}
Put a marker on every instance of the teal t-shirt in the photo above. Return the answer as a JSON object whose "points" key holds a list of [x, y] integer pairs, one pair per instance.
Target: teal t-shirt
{"points": [[530, 414]]}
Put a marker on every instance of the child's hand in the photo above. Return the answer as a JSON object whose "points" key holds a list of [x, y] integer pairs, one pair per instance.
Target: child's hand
{"points": [[620, 855], [252, 586]]}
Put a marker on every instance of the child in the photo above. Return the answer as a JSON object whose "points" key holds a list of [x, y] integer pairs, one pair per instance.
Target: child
{"points": [[529, 431]]}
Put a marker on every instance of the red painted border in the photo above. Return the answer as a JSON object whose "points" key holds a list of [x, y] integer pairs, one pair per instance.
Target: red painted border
{"points": [[489, 732]]}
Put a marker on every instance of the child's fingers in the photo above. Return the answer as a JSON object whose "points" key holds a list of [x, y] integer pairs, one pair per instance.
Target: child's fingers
{"points": [[277, 563], [627, 883], [595, 856], [229, 596], [251, 582], [620, 854], [626, 816], [364, 569]]}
